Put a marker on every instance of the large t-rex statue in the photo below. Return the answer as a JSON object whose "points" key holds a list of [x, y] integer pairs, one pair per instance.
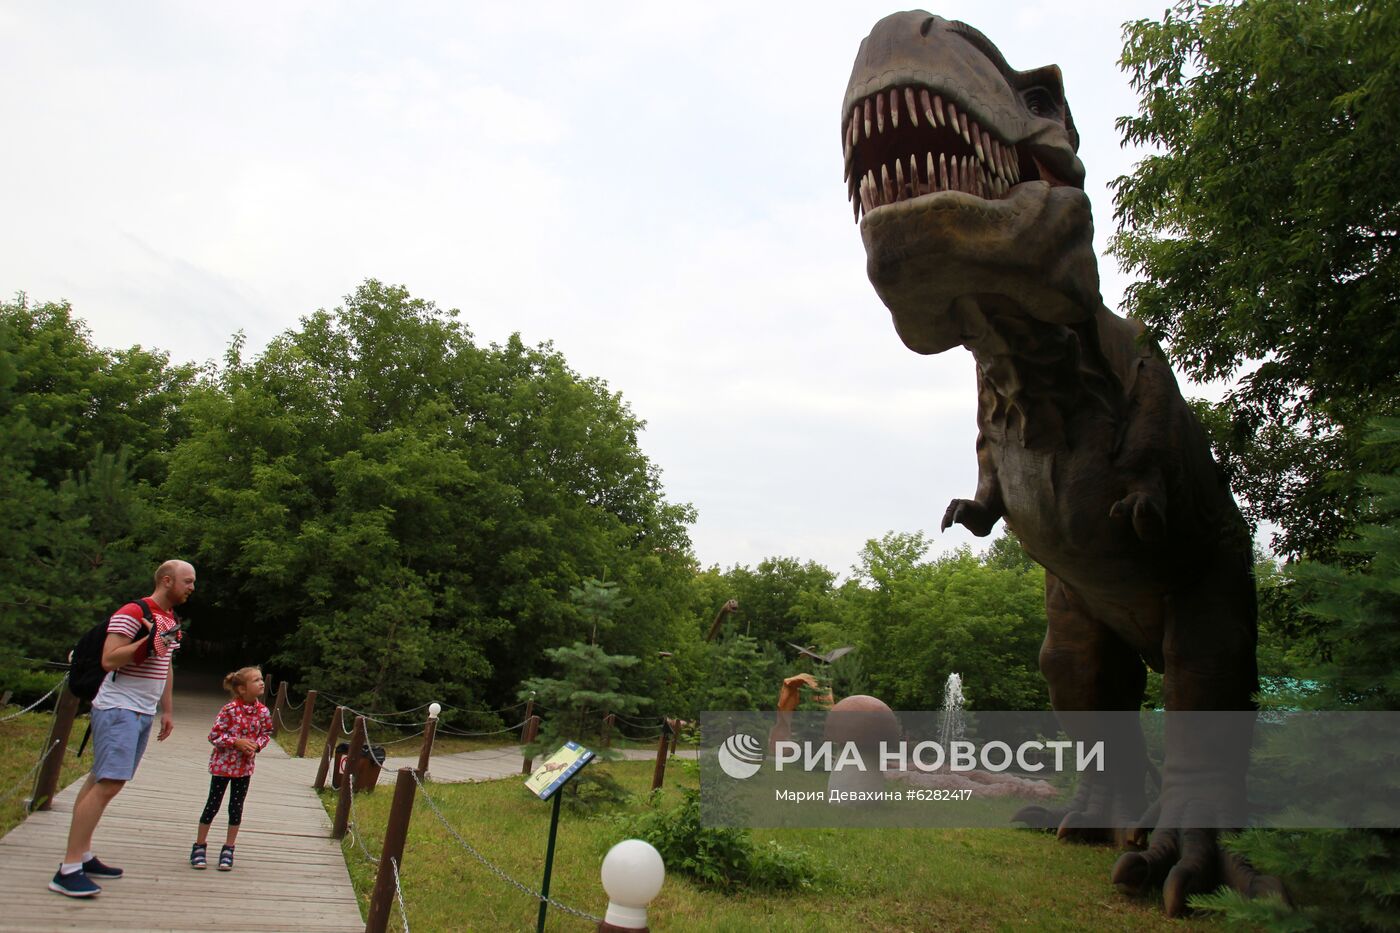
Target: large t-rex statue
{"points": [[978, 233]]}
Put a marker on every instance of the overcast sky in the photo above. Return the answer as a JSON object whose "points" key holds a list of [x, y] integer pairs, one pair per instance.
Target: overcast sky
{"points": [[656, 188]]}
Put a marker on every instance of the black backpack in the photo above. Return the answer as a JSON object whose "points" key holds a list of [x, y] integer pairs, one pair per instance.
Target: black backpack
{"points": [[85, 673]]}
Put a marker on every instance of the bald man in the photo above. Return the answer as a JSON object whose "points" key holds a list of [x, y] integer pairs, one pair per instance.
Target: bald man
{"points": [[140, 680]]}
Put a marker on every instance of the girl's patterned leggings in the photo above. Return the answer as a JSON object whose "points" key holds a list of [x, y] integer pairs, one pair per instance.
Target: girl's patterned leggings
{"points": [[217, 783]]}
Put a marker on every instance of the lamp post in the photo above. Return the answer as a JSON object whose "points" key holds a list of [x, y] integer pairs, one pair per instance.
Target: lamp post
{"points": [[429, 731], [632, 876]]}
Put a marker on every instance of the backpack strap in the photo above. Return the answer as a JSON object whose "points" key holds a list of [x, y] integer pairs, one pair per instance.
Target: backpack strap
{"points": [[150, 627], [151, 623]]}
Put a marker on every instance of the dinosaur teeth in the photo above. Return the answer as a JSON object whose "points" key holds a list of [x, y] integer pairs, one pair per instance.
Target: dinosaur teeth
{"points": [[981, 165]]}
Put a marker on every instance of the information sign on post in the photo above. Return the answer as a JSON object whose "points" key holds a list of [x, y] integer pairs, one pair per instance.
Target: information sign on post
{"points": [[555, 771], [545, 782]]}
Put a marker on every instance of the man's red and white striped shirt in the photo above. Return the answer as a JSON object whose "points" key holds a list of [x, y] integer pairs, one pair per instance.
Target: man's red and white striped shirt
{"points": [[137, 686]]}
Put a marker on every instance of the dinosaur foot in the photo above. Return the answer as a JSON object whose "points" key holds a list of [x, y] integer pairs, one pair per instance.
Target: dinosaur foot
{"points": [[1097, 813], [1183, 862], [1071, 825]]}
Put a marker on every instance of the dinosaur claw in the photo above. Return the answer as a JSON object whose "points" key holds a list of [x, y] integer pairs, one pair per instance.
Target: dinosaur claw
{"points": [[1035, 817], [1131, 872], [1149, 522]]}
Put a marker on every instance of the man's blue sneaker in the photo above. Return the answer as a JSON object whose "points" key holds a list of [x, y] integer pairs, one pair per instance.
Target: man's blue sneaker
{"points": [[94, 868], [77, 884]]}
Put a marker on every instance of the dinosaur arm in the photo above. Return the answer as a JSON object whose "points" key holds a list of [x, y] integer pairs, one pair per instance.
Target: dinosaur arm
{"points": [[981, 512]]}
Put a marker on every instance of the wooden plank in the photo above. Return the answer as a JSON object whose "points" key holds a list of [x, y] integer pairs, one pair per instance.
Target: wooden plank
{"points": [[288, 873]]}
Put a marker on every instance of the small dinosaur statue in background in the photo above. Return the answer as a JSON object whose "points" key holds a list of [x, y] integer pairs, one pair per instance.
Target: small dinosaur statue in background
{"points": [[978, 233]]}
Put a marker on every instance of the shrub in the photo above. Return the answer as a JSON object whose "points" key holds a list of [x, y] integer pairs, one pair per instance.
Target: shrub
{"points": [[721, 857]]}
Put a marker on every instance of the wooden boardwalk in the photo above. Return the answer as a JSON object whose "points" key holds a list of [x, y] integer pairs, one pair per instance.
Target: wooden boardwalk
{"points": [[490, 764], [289, 873]]}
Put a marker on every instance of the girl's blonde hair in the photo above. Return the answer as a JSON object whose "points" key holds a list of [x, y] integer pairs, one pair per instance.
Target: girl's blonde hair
{"points": [[240, 677]]}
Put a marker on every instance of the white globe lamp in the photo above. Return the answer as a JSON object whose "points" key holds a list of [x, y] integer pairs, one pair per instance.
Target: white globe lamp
{"points": [[433, 710], [632, 876]]}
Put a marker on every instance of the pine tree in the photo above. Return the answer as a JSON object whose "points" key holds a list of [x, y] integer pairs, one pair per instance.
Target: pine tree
{"points": [[1343, 879], [575, 702]]}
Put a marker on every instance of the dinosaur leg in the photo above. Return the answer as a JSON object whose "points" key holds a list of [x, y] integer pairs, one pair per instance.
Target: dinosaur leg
{"points": [[1209, 680], [1096, 685]]}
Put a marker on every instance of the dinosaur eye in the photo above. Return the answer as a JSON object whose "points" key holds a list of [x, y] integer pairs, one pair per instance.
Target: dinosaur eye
{"points": [[1040, 102]]}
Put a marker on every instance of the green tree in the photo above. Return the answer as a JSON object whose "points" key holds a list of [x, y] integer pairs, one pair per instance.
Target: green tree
{"points": [[396, 514], [1343, 879], [1265, 230], [924, 619], [86, 431], [587, 688], [780, 597]]}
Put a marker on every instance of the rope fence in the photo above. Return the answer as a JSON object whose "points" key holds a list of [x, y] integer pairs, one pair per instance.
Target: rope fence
{"points": [[443, 730], [352, 826], [27, 780], [491, 866], [37, 703]]}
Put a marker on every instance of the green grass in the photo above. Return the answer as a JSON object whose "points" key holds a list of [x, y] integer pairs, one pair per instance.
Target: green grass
{"points": [[880, 879], [23, 741]]}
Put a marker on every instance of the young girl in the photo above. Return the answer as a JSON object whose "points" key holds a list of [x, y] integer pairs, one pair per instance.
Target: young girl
{"points": [[242, 729]]}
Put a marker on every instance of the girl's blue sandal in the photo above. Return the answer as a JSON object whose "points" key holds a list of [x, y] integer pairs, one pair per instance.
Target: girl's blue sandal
{"points": [[226, 858], [197, 857]]}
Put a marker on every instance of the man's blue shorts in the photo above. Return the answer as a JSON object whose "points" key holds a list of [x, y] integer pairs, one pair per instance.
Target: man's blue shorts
{"points": [[119, 739]]}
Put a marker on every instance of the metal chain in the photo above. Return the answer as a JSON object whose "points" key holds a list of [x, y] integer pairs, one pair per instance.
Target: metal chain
{"points": [[37, 702], [432, 804], [407, 738], [398, 893], [24, 781], [396, 712], [282, 720], [445, 731], [352, 824]]}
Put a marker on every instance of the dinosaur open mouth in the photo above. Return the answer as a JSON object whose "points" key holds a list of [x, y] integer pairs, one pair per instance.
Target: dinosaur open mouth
{"points": [[906, 142]]}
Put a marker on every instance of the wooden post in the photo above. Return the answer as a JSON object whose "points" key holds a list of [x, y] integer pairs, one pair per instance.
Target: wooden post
{"points": [[46, 784], [306, 723], [277, 706], [352, 761], [381, 899], [608, 721], [333, 733], [529, 714], [675, 725], [532, 729], [429, 733], [659, 774]]}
